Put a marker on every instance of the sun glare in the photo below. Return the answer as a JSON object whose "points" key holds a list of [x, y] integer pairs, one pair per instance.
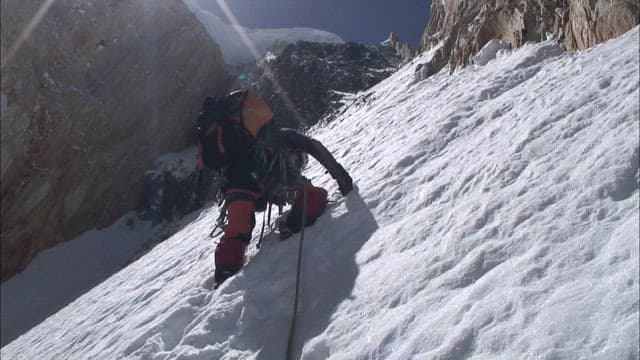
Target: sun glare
{"points": [[26, 33], [44, 8], [231, 18]]}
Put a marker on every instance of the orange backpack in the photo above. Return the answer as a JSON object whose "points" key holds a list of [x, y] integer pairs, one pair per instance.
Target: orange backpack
{"points": [[254, 112], [241, 114]]}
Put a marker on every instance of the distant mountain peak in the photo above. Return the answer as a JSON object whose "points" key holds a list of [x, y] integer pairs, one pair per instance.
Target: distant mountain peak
{"points": [[232, 39]]}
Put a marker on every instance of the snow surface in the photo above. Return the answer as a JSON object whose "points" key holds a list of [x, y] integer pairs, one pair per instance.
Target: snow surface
{"points": [[60, 274], [490, 51], [235, 50], [496, 218], [88, 260]]}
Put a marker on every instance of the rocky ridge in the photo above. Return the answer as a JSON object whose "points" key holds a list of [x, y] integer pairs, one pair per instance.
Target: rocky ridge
{"points": [[460, 28], [315, 76], [97, 91], [404, 50]]}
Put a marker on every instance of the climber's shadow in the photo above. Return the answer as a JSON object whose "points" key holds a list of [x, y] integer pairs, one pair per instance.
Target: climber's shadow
{"points": [[330, 268], [329, 273]]}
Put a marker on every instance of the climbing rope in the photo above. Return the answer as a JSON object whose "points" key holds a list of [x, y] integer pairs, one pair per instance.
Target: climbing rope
{"points": [[294, 318]]}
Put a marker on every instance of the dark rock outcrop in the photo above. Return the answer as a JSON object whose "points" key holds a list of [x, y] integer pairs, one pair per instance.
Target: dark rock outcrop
{"points": [[98, 90], [404, 50], [302, 82], [460, 28]]}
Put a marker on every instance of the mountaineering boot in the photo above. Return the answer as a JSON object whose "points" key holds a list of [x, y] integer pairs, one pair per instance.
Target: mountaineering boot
{"points": [[229, 258], [293, 223], [316, 204], [223, 273]]}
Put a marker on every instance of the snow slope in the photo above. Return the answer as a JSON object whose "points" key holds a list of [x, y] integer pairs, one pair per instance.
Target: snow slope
{"points": [[60, 274], [236, 51], [49, 284], [496, 217]]}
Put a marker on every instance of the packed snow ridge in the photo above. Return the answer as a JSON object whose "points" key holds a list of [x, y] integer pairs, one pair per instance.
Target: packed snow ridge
{"points": [[496, 217], [236, 49]]}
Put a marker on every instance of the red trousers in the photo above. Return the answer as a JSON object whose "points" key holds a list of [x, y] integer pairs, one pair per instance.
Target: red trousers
{"points": [[230, 250]]}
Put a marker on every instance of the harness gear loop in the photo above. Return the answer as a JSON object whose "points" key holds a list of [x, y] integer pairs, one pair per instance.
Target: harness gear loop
{"points": [[220, 222]]}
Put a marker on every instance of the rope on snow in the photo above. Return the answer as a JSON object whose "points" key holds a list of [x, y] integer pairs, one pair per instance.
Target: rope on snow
{"points": [[294, 318]]}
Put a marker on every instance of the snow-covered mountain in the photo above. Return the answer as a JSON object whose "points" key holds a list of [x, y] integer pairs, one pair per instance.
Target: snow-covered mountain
{"points": [[235, 48], [496, 217], [314, 77]]}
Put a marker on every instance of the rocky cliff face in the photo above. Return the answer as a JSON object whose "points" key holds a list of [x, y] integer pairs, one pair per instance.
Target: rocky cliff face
{"points": [[313, 76], [462, 27], [589, 22], [95, 93]]}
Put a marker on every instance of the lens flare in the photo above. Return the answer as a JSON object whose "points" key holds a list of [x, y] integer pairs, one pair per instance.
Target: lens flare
{"points": [[235, 24], [26, 33]]}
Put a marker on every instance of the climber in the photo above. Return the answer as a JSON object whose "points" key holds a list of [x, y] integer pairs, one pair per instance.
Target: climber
{"points": [[237, 137]]}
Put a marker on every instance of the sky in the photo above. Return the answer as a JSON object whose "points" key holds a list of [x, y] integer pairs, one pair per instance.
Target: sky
{"points": [[236, 50], [502, 224], [365, 21]]}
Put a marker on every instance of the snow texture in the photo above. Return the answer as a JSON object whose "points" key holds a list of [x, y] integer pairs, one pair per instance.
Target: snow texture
{"points": [[236, 51], [489, 51], [496, 217]]}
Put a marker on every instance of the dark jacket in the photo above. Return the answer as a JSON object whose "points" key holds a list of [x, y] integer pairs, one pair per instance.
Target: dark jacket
{"points": [[244, 160]]}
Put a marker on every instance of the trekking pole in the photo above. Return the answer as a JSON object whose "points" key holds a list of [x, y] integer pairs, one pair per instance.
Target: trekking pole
{"points": [[294, 318]]}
